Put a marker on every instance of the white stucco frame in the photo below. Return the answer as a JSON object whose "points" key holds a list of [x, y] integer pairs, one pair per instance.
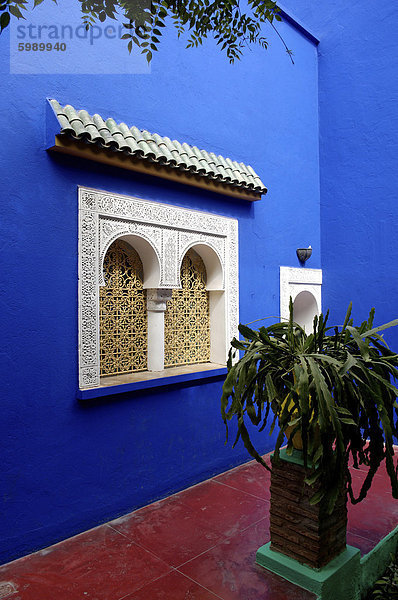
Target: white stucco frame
{"points": [[161, 234], [293, 281]]}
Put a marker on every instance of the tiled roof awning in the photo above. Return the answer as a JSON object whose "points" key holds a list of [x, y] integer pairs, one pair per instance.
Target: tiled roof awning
{"points": [[187, 163]]}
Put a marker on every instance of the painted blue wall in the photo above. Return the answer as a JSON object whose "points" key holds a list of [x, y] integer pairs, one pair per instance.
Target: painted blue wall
{"points": [[67, 466], [358, 92]]}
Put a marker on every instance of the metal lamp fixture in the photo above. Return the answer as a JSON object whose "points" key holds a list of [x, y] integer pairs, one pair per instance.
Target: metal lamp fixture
{"points": [[303, 254]]}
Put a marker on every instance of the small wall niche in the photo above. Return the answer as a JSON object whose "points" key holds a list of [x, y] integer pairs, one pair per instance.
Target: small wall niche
{"points": [[304, 287], [304, 310]]}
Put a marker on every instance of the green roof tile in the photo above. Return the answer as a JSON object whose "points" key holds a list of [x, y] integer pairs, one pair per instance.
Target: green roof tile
{"points": [[92, 129]]}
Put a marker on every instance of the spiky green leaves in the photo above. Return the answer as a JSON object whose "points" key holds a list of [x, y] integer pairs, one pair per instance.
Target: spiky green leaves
{"points": [[334, 386]]}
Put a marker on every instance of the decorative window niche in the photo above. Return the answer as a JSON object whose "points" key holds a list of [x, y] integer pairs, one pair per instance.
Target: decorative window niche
{"points": [[188, 313], [304, 287], [123, 315], [161, 238]]}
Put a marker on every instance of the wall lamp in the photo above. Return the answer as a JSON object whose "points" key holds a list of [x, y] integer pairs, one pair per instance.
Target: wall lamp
{"points": [[303, 254]]}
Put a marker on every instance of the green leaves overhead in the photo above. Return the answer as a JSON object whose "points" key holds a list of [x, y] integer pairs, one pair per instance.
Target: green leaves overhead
{"points": [[232, 26], [335, 386], [10, 8]]}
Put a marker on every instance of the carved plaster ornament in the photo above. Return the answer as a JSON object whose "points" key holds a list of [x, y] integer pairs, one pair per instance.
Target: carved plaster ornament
{"points": [[162, 235]]}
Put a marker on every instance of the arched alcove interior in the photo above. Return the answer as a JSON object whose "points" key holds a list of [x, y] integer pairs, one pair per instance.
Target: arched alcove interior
{"points": [[305, 308], [122, 312], [187, 317], [214, 270], [149, 259], [217, 303]]}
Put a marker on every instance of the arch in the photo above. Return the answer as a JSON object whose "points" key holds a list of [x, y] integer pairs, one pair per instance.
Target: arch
{"points": [[217, 300], [187, 317], [212, 262], [147, 253], [305, 308], [215, 285], [294, 281], [158, 232], [122, 312]]}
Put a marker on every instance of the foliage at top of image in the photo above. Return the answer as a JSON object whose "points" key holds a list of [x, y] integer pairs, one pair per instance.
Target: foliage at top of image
{"points": [[332, 386], [233, 28]]}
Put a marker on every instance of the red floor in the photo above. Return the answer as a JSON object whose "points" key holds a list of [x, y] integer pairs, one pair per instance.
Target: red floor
{"points": [[199, 544]]}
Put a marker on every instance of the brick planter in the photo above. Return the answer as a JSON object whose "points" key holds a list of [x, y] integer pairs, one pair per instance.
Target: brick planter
{"points": [[298, 529]]}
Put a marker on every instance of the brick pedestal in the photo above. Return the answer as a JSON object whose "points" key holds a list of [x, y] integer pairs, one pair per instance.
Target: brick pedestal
{"points": [[298, 529]]}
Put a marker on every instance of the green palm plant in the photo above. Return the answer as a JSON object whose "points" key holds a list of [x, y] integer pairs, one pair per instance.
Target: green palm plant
{"points": [[334, 386]]}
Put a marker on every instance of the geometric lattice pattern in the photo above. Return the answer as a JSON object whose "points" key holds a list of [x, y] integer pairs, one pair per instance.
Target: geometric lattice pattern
{"points": [[123, 314], [187, 317]]}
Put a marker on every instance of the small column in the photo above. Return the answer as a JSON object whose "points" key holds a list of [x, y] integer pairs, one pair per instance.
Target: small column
{"points": [[156, 306]]}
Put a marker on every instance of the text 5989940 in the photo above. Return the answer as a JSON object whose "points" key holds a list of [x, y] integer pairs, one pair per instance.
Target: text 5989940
{"points": [[41, 47]]}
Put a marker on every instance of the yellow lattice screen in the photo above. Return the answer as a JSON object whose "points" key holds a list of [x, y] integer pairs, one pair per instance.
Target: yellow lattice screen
{"points": [[123, 317], [187, 320]]}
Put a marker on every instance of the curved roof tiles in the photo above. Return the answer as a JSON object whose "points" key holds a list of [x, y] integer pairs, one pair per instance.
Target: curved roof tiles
{"points": [[142, 144]]}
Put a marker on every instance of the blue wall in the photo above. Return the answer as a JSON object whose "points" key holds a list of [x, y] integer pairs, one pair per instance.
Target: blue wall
{"points": [[68, 466], [358, 93]]}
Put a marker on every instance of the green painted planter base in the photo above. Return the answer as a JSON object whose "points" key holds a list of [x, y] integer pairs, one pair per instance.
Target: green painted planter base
{"points": [[375, 563], [340, 578]]}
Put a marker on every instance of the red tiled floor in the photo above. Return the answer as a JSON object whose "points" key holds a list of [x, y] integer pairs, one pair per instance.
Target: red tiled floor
{"points": [[226, 509], [171, 530], [360, 542], [252, 478], [374, 517], [382, 471], [380, 484], [100, 564], [229, 569], [174, 585], [199, 544]]}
